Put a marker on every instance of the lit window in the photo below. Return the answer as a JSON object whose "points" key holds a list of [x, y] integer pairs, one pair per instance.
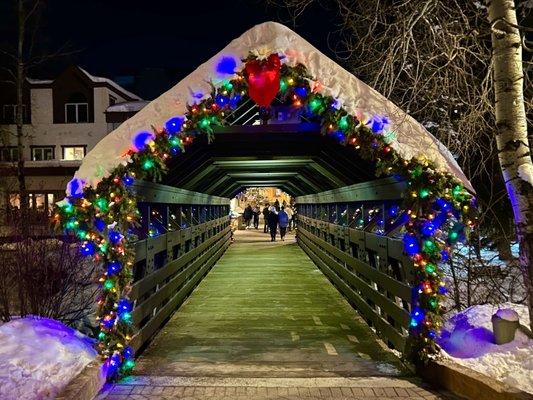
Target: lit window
{"points": [[14, 200], [76, 113], [40, 203], [73, 152], [42, 153], [50, 201], [10, 153]]}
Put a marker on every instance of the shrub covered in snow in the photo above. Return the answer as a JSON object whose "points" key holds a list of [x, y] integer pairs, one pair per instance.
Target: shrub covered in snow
{"points": [[39, 356]]}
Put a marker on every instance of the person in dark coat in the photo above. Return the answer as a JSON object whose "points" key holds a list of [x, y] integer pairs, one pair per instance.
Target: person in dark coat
{"points": [[255, 213], [265, 218], [247, 215], [273, 223]]}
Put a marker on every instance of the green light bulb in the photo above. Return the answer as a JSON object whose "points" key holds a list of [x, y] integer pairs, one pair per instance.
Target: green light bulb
{"points": [[101, 336], [204, 122], [147, 164], [108, 284], [228, 85], [430, 268], [315, 104], [70, 225], [456, 191], [126, 317], [128, 364], [429, 246], [68, 208], [101, 203], [282, 85], [343, 123], [433, 303], [453, 235], [174, 141], [423, 193]]}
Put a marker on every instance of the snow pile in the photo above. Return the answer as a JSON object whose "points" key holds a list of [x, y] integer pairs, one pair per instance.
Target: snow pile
{"points": [[467, 339], [38, 357]]}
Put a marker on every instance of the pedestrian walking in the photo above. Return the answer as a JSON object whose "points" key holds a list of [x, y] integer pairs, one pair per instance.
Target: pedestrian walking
{"points": [[255, 213], [247, 215], [272, 223], [276, 205], [283, 221], [265, 218]]}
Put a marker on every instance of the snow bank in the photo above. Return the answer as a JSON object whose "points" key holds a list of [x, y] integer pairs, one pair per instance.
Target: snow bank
{"points": [[467, 339], [38, 357]]}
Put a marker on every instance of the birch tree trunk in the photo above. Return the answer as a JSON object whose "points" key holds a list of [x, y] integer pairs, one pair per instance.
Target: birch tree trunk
{"points": [[511, 129]]}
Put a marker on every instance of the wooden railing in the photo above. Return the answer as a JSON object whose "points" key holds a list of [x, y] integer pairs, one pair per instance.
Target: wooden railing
{"points": [[182, 243], [369, 268]]}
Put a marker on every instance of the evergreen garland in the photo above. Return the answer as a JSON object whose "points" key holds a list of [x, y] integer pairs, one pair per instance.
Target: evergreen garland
{"points": [[437, 209]]}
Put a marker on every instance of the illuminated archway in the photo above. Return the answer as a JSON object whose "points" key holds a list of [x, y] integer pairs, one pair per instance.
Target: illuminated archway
{"points": [[438, 208]]}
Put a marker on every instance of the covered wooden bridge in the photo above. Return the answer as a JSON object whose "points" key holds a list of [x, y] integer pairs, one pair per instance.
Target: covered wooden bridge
{"points": [[327, 303]]}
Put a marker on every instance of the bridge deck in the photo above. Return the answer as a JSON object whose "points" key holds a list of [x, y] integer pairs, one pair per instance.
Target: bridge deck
{"points": [[265, 310]]}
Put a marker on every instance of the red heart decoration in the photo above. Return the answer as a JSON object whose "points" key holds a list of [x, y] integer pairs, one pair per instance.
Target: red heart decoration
{"points": [[263, 79]]}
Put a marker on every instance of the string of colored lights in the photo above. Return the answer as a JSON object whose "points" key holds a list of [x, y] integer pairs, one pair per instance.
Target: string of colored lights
{"points": [[437, 210]]}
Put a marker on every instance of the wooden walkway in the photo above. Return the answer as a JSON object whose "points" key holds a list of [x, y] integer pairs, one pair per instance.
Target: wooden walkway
{"points": [[266, 320]]}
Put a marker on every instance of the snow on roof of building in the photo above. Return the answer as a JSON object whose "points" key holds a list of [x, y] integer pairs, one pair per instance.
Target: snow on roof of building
{"points": [[127, 106], [99, 79], [39, 81], [412, 139]]}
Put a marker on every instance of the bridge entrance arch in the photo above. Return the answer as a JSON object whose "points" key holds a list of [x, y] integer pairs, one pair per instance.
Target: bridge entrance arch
{"points": [[150, 201]]}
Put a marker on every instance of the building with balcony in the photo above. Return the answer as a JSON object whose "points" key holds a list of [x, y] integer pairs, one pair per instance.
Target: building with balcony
{"points": [[63, 119]]}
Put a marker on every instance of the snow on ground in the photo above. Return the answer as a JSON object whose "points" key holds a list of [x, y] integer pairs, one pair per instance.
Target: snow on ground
{"points": [[467, 339], [39, 356]]}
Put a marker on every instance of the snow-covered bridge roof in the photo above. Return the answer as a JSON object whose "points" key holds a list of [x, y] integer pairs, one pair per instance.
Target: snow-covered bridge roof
{"points": [[412, 139]]}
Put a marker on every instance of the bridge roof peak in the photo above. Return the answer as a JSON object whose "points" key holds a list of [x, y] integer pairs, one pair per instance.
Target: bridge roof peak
{"points": [[411, 138]]}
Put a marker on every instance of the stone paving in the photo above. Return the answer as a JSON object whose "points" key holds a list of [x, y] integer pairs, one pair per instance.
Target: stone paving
{"points": [[266, 324], [292, 389]]}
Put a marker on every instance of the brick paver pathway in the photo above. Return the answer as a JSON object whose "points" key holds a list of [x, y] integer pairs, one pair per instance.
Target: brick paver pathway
{"points": [[266, 324], [380, 388]]}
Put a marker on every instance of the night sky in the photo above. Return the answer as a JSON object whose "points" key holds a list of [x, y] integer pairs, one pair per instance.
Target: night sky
{"points": [[164, 40]]}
